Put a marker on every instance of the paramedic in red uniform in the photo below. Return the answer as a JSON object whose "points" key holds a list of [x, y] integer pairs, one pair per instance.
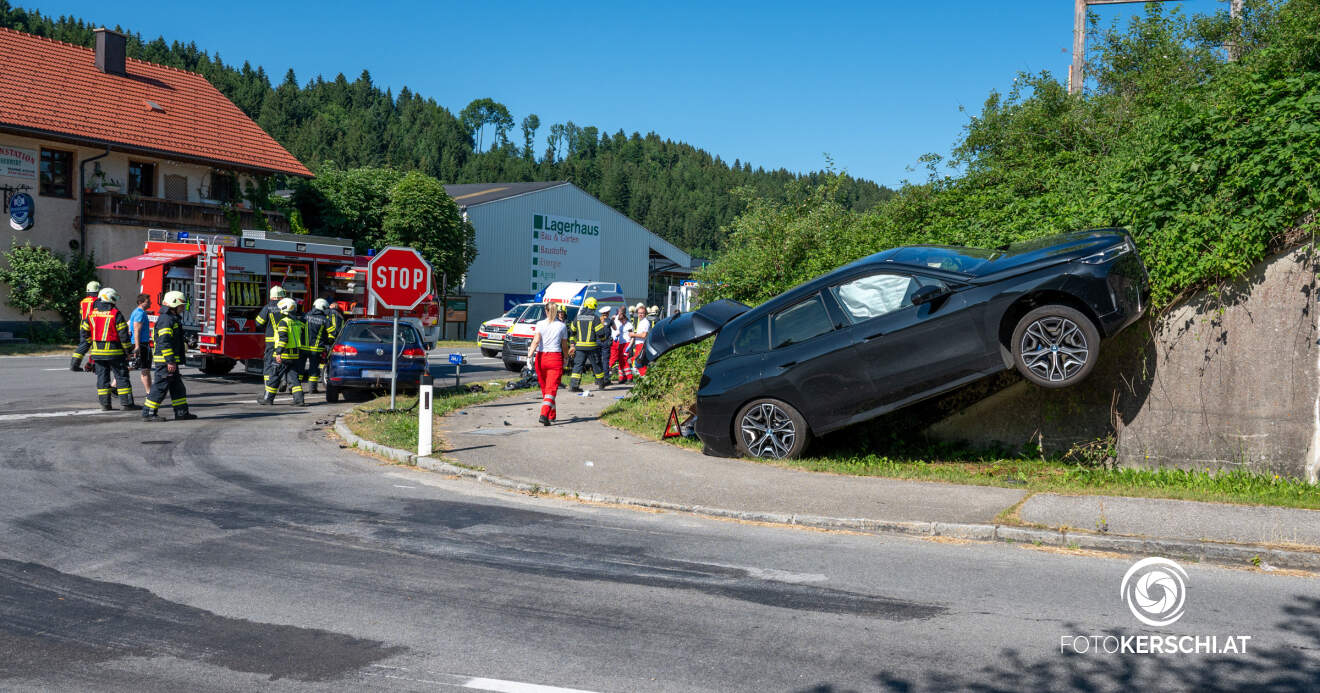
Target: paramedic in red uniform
{"points": [[548, 347]]}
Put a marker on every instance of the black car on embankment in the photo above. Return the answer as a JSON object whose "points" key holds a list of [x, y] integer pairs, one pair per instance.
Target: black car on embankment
{"points": [[899, 327]]}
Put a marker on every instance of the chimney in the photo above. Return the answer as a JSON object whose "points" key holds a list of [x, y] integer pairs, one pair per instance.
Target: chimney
{"points": [[110, 47]]}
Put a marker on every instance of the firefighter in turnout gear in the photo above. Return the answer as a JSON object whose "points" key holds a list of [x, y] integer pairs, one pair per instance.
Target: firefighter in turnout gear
{"points": [[105, 331], [318, 341], [585, 336], [334, 324], [290, 338], [270, 313], [165, 361], [84, 309]]}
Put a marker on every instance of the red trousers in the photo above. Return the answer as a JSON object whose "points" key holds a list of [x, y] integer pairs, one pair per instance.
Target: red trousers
{"points": [[637, 354], [619, 359], [549, 367]]}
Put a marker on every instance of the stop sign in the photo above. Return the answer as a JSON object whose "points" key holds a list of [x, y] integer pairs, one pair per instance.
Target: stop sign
{"points": [[398, 278]]}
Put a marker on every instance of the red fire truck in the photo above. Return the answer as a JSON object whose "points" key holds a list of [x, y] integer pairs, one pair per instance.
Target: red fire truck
{"points": [[226, 280]]}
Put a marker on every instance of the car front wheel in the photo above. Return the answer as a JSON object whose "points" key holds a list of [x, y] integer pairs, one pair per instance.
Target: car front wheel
{"points": [[1055, 346], [489, 353], [771, 429], [515, 366]]}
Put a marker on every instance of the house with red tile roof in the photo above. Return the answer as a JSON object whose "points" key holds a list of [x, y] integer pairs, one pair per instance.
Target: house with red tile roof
{"points": [[107, 147]]}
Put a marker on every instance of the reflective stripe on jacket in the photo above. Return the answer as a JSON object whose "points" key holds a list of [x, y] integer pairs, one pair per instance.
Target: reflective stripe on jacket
{"points": [[168, 336], [106, 330]]}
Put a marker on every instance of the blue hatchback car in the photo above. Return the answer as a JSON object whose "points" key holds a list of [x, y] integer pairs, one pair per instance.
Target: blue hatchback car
{"points": [[360, 358]]}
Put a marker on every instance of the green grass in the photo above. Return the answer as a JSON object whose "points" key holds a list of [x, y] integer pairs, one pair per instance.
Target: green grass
{"points": [[35, 349], [456, 344], [647, 419], [399, 429]]}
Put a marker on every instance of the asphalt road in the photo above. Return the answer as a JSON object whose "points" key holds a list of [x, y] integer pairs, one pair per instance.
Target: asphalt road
{"points": [[247, 551]]}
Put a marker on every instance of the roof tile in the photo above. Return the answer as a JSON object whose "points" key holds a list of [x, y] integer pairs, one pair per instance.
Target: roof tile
{"points": [[54, 86]]}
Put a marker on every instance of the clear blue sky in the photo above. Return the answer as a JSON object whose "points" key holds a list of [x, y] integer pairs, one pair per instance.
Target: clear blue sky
{"points": [[874, 84]]}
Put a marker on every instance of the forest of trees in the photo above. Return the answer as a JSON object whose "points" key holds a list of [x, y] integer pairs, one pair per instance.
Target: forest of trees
{"points": [[681, 192]]}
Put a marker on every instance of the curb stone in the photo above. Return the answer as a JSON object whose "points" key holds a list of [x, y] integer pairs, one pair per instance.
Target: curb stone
{"points": [[1193, 550]]}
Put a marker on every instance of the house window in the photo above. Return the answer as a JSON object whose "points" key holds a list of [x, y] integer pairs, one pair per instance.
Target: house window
{"points": [[223, 186], [176, 187], [56, 173], [141, 179]]}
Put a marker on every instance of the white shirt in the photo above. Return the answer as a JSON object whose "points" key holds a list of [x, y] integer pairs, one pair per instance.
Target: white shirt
{"points": [[623, 332], [552, 336], [643, 326]]}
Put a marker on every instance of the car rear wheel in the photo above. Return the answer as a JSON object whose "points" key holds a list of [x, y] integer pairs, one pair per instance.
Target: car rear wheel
{"points": [[515, 366], [489, 353], [331, 393], [771, 429], [1055, 346]]}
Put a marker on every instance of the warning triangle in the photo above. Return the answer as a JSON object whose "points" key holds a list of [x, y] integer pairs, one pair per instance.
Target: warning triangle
{"points": [[671, 428]]}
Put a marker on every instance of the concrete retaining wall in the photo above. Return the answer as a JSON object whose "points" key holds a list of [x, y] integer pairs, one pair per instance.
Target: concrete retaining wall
{"points": [[1225, 380]]}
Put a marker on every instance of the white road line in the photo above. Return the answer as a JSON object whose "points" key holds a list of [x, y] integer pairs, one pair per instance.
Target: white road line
{"points": [[515, 687], [48, 414], [56, 369]]}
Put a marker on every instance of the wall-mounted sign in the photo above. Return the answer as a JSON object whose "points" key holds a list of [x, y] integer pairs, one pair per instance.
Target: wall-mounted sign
{"points": [[18, 163], [20, 212], [564, 250]]}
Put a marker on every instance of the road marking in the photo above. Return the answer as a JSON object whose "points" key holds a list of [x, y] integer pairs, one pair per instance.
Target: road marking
{"points": [[48, 414], [402, 486], [56, 369], [476, 683]]}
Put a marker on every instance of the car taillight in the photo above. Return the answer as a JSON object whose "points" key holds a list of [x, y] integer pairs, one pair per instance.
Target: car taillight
{"points": [[344, 349], [413, 353]]}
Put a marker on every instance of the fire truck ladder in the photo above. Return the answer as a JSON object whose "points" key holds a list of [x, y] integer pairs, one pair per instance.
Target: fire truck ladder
{"points": [[203, 275]]}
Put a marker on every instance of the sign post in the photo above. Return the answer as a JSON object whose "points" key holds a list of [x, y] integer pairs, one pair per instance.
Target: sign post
{"points": [[398, 279], [424, 392]]}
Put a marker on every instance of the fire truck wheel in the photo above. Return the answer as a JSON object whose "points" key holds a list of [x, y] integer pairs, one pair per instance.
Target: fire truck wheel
{"points": [[217, 365]]}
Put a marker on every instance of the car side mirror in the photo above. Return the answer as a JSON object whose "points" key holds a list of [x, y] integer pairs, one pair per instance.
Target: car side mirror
{"points": [[926, 294]]}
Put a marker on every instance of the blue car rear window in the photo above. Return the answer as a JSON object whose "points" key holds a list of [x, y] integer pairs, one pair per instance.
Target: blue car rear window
{"points": [[379, 334]]}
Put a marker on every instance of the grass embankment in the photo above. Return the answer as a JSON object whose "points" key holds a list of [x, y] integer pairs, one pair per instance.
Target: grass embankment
{"points": [[35, 349], [456, 344], [875, 453], [398, 429]]}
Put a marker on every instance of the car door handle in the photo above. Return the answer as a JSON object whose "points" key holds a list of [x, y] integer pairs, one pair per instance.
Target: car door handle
{"points": [[786, 366], [877, 335]]}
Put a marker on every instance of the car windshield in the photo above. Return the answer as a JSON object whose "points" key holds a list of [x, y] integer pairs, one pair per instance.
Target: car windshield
{"points": [[536, 313], [515, 311], [379, 333], [959, 259]]}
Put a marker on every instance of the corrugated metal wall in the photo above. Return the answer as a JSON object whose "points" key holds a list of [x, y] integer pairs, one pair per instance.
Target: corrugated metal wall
{"points": [[504, 247]]}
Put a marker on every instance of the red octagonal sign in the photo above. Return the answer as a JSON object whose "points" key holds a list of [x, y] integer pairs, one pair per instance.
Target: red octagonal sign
{"points": [[398, 278]]}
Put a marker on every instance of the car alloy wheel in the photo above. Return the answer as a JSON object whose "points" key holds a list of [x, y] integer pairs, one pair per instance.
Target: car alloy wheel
{"points": [[771, 429], [1055, 346]]}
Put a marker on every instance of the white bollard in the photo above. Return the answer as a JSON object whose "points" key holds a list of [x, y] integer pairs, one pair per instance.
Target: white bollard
{"points": [[424, 419]]}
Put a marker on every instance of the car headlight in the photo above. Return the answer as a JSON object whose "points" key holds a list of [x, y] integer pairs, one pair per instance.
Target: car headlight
{"points": [[1110, 253]]}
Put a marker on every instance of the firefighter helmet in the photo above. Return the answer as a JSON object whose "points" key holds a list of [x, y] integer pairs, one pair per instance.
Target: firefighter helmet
{"points": [[320, 304], [287, 305], [173, 299], [277, 292], [653, 312], [108, 295], [590, 303], [93, 287]]}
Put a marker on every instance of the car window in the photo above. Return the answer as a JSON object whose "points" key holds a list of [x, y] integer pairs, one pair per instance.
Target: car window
{"points": [[535, 313], [875, 295], [515, 311], [801, 322], [752, 339], [379, 334]]}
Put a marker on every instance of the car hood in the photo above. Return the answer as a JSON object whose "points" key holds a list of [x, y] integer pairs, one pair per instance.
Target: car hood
{"points": [[1049, 250], [686, 328]]}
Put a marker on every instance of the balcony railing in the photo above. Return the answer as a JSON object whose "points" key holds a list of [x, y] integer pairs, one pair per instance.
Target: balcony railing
{"points": [[115, 208]]}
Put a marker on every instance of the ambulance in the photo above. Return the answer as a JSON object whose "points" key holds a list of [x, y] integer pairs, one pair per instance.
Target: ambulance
{"points": [[571, 295]]}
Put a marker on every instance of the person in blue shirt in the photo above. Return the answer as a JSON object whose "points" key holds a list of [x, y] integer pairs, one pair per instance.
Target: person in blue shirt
{"points": [[139, 329]]}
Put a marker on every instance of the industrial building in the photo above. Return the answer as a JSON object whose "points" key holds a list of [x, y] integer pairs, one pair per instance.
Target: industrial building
{"points": [[531, 234]]}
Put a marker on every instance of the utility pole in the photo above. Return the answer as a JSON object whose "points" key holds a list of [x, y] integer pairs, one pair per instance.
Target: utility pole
{"points": [[1077, 73]]}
